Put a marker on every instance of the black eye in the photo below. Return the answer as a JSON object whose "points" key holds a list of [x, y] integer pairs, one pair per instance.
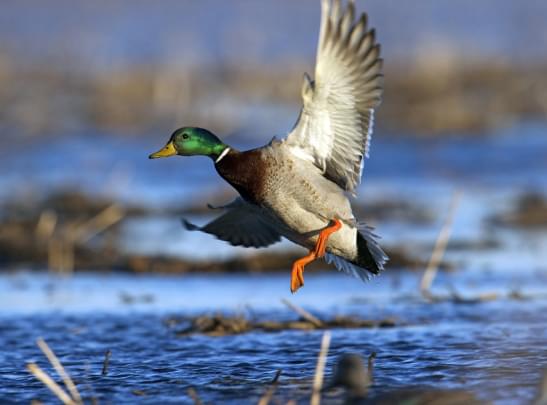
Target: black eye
{"points": [[185, 136]]}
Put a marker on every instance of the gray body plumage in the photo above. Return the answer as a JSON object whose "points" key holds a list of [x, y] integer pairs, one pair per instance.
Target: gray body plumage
{"points": [[298, 202], [307, 177]]}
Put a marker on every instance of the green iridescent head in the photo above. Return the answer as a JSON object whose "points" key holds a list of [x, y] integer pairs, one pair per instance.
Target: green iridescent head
{"points": [[191, 141]]}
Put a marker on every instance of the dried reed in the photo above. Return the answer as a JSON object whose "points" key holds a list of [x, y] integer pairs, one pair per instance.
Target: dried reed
{"points": [[303, 313], [320, 369], [440, 247], [266, 398], [74, 398]]}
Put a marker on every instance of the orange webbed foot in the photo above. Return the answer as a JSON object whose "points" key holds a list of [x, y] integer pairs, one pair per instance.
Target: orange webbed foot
{"points": [[297, 274], [297, 278]]}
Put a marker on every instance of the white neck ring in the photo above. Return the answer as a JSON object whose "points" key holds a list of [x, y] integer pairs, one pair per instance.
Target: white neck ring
{"points": [[224, 153]]}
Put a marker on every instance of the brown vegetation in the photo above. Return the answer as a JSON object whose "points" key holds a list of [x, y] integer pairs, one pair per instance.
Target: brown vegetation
{"points": [[222, 325], [529, 211], [418, 100], [56, 232]]}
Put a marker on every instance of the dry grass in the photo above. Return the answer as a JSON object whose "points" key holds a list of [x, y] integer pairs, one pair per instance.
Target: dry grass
{"points": [[465, 99], [303, 313], [267, 397], [320, 369], [440, 247], [73, 398], [63, 241], [438, 252]]}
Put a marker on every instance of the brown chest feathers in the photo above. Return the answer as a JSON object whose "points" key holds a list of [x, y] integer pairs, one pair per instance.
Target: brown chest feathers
{"points": [[245, 171]]}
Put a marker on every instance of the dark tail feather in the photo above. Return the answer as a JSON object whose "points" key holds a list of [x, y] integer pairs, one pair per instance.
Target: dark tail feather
{"points": [[370, 255]]}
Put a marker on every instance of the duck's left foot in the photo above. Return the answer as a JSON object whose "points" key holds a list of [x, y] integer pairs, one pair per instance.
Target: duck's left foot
{"points": [[321, 245], [297, 274]]}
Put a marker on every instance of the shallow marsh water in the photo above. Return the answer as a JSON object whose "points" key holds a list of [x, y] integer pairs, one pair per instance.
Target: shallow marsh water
{"points": [[496, 349]]}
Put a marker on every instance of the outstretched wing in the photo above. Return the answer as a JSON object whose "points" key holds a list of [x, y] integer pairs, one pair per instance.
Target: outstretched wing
{"points": [[335, 124], [241, 225]]}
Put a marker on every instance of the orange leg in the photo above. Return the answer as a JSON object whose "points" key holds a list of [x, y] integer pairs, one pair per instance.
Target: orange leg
{"points": [[321, 244], [297, 276]]}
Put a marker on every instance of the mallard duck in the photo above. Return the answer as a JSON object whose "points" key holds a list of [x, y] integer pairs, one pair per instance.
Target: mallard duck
{"points": [[298, 187]]}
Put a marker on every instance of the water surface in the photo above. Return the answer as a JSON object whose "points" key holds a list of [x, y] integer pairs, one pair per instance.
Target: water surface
{"points": [[495, 349]]}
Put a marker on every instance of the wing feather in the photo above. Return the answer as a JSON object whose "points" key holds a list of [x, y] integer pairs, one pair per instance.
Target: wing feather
{"points": [[335, 125], [240, 225]]}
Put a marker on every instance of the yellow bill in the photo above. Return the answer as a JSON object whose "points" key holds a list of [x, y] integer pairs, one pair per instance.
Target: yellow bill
{"points": [[166, 151]]}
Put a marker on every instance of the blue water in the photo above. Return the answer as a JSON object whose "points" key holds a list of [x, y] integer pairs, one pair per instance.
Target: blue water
{"points": [[512, 160], [494, 349]]}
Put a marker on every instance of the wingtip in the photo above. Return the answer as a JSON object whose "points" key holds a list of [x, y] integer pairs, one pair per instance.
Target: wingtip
{"points": [[325, 8], [351, 9], [188, 225]]}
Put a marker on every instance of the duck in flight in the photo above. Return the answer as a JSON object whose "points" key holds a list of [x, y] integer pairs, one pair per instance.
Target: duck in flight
{"points": [[298, 187]]}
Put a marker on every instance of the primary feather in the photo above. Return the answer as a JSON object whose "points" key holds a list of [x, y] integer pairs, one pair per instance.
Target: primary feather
{"points": [[240, 225], [335, 124]]}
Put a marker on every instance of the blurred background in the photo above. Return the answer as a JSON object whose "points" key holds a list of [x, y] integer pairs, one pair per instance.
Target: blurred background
{"points": [[89, 89]]}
